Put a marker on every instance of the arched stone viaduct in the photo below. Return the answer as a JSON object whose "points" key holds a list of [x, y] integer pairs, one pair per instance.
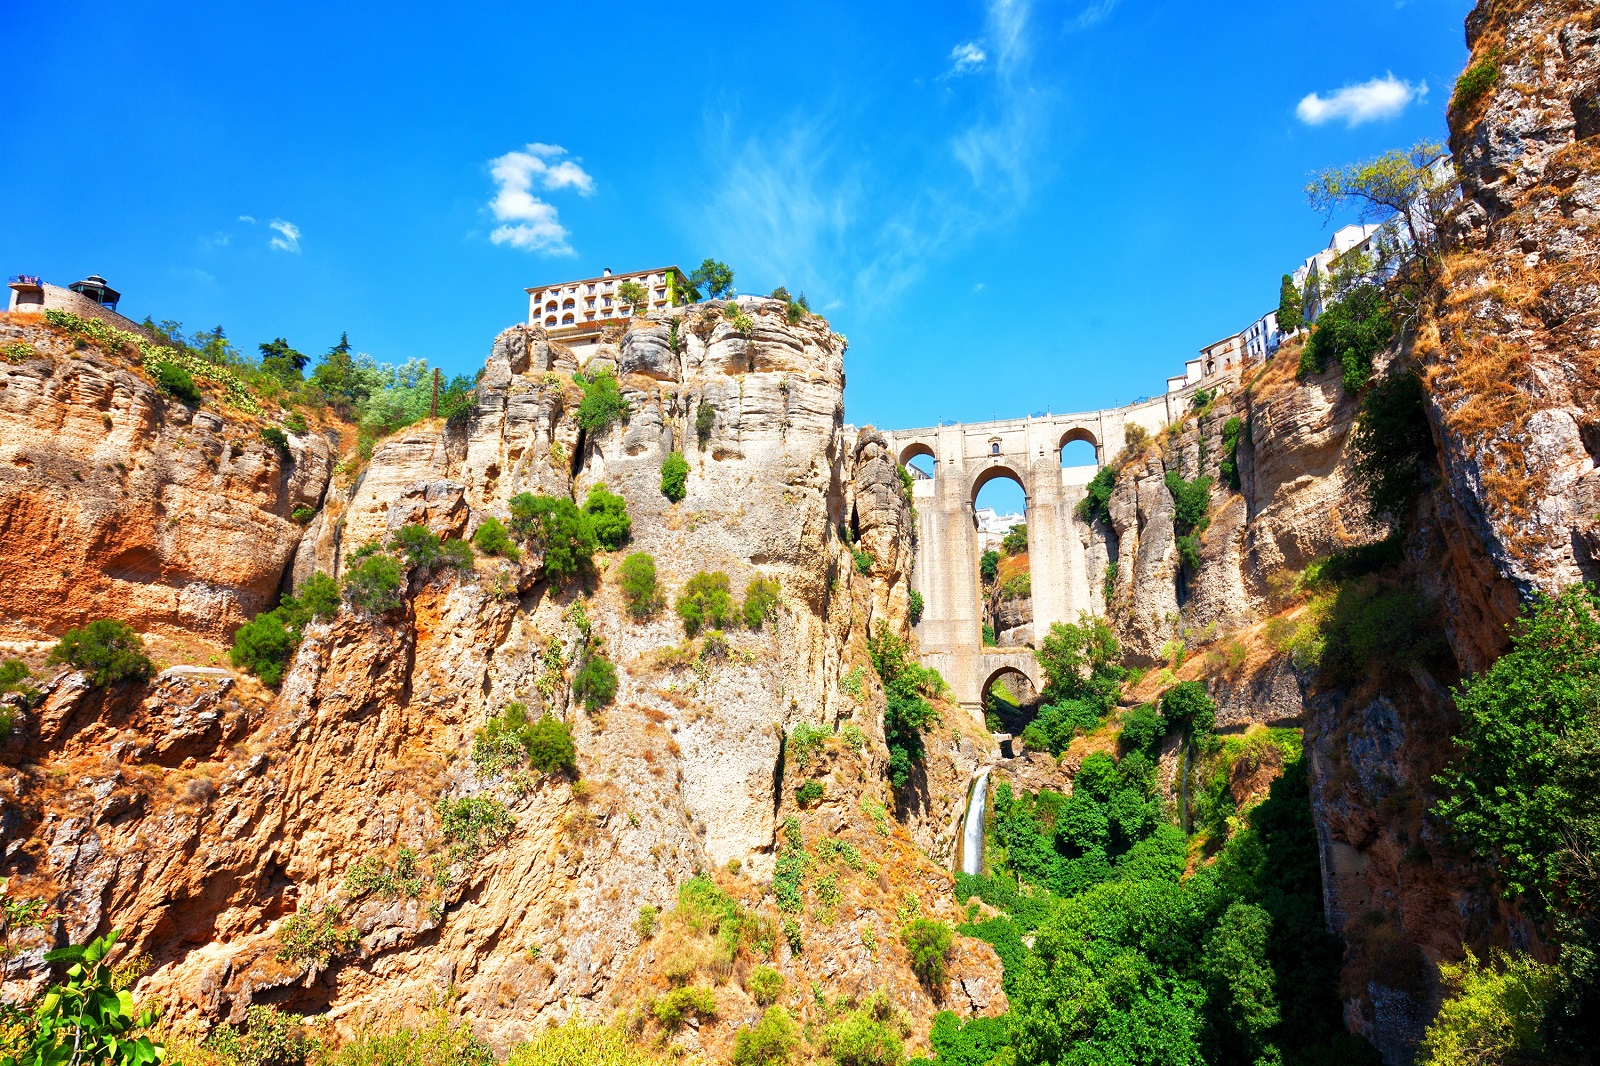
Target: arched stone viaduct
{"points": [[1066, 566]]}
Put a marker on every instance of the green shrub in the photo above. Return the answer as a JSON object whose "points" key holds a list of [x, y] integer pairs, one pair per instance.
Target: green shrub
{"points": [[1393, 447], [602, 402], [907, 713], [915, 605], [1080, 662], [575, 1044], [302, 515], [1190, 501], [503, 741], [277, 439], [1015, 542], [1056, 724], [930, 944], [989, 639], [674, 476], [860, 1039], [270, 1038], [772, 1041], [972, 1044], [764, 984], [107, 651], [1017, 586], [1351, 332], [373, 584], [704, 601], [674, 1008], [437, 1042], [318, 596], [555, 525], [265, 645], [1189, 551], [550, 746], [1097, 495], [491, 538], [175, 381], [1140, 729], [1187, 705], [705, 419], [1495, 1013], [474, 823], [648, 922], [637, 579], [761, 599], [863, 560], [989, 566], [608, 514], [595, 683], [14, 674], [809, 792], [1233, 430], [295, 423], [1476, 82], [315, 936], [804, 742]]}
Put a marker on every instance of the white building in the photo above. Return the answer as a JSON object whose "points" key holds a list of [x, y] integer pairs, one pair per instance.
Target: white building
{"points": [[574, 312], [993, 527]]}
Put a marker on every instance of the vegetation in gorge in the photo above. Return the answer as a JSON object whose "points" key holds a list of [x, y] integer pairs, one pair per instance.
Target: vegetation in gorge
{"points": [[267, 643], [907, 713], [106, 651]]}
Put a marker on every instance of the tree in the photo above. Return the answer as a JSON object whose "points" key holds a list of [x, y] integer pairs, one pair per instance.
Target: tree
{"points": [[84, 1019], [1495, 1013], [907, 714], [1351, 332], [608, 513], [107, 650], [674, 476], [770, 1042], [491, 538], [1188, 706], [929, 942], [373, 584], [637, 579], [345, 384], [549, 744], [556, 526], [1016, 539], [712, 277], [602, 402], [989, 566], [1081, 662], [636, 296], [1240, 984], [1403, 182], [1289, 306], [705, 600], [595, 683], [282, 361]]}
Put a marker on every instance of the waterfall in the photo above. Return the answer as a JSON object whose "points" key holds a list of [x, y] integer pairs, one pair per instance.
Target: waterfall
{"points": [[972, 829]]}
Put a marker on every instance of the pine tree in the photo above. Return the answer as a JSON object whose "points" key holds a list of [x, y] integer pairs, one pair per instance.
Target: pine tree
{"points": [[1289, 307]]}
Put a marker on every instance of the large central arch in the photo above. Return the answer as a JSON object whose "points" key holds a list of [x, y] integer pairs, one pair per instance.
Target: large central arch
{"points": [[1067, 565]]}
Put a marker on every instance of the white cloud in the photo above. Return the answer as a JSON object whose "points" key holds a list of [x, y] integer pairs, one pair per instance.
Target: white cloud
{"points": [[1369, 101], [965, 58], [289, 236], [1094, 14], [246, 218], [530, 223]]}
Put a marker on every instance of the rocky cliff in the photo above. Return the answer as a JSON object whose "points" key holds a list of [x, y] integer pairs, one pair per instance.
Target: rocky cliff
{"points": [[217, 821]]}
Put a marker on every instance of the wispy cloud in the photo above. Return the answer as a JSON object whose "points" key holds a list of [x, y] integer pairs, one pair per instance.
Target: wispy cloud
{"points": [[288, 239], [528, 222], [246, 218], [965, 58], [1093, 15], [1369, 101], [998, 149]]}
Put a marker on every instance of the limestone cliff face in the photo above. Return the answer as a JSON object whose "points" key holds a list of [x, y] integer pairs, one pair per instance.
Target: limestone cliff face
{"points": [[204, 814], [115, 498]]}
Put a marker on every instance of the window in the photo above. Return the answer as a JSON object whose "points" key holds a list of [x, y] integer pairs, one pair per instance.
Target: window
{"points": [[570, 304], [589, 303], [567, 319], [550, 321], [591, 290], [994, 447]]}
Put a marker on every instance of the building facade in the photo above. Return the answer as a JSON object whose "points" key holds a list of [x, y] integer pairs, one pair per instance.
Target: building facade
{"points": [[90, 298], [575, 308]]}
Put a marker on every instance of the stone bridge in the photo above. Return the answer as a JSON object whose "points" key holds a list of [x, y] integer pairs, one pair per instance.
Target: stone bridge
{"points": [[1067, 565]]}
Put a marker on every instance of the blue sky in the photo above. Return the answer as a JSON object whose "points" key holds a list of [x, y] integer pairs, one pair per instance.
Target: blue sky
{"points": [[1005, 207]]}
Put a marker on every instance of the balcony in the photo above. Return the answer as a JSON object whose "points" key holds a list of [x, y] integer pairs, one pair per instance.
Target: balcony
{"points": [[25, 281]]}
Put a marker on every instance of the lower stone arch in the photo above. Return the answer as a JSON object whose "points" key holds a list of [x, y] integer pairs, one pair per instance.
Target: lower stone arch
{"points": [[1026, 693], [999, 470]]}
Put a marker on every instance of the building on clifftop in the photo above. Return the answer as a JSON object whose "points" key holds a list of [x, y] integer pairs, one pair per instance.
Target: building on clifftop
{"points": [[574, 312]]}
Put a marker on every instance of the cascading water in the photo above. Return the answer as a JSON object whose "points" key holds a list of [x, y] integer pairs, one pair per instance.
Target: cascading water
{"points": [[972, 829]]}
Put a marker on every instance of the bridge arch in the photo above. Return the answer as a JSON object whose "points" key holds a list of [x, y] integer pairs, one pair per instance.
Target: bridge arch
{"points": [[996, 471], [1070, 456], [918, 448], [1013, 670]]}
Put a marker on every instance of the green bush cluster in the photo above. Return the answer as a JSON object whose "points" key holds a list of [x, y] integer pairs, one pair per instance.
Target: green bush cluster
{"points": [[761, 599], [595, 683], [510, 740], [270, 1037], [1393, 447], [1191, 500], [772, 1041], [373, 581], [705, 420], [915, 606], [315, 936], [177, 382], [265, 645], [1015, 542], [602, 402], [809, 792], [1234, 430], [1476, 82], [492, 538], [1080, 661], [637, 580], [705, 601], [608, 513], [674, 476], [436, 1042], [1097, 495], [556, 526], [473, 824], [989, 566], [1350, 332], [426, 552], [106, 650], [930, 943], [907, 687]]}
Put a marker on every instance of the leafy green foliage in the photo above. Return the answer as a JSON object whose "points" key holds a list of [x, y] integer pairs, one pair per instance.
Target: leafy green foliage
{"points": [[868, 1036], [971, 1044], [374, 583], [794, 862], [705, 600], [602, 402], [1141, 728], [1351, 332], [437, 1042], [637, 579], [277, 439], [863, 560], [809, 792], [1190, 501], [764, 984], [14, 675], [1189, 707], [674, 1008], [426, 551], [549, 744], [761, 599], [804, 742], [271, 1037], [712, 277], [930, 944], [1234, 430], [1495, 1012], [315, 936], [1015, 542], [705, 420], [915, 607], [177, 382], [555, 525], [608, 513], [907, 713], [107, 651], [772, 1041], [989, 566], [1080, 662], [1393, 447], [85, 1018], [1525, 792], [636, 296], [1290, 311], [474, 823], [1056, 724], [492, 538], [1097, 495], [674, 476], [595, 683], [1476, 82]]}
